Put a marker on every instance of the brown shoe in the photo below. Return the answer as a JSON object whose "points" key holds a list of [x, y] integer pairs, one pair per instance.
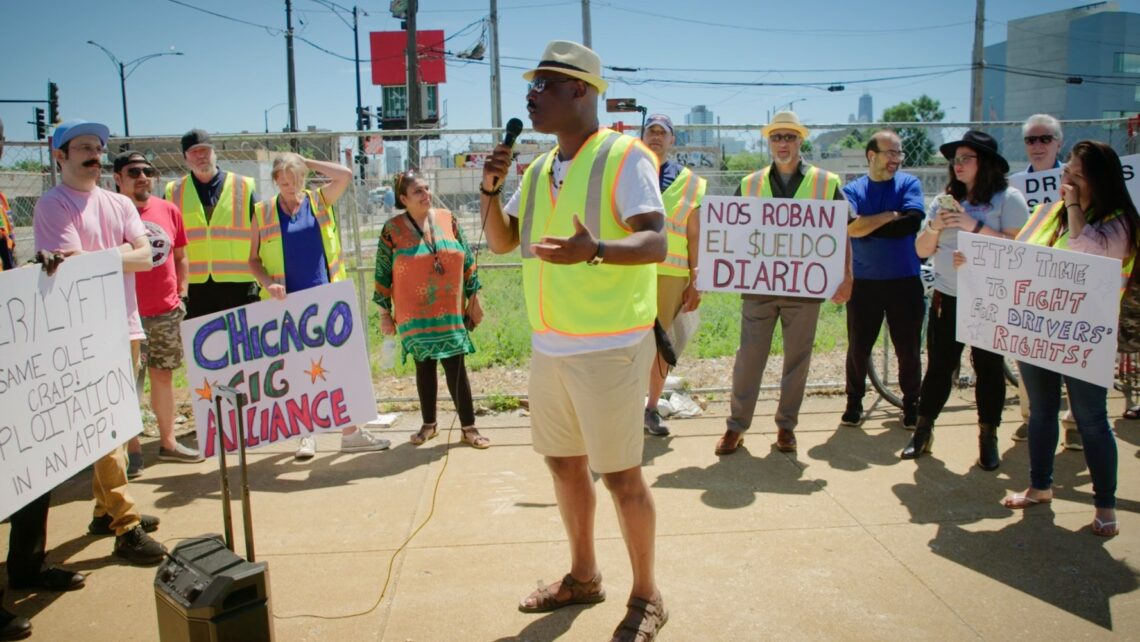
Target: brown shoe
{"points": [[729, 442], [785, 440], [643, 621], [546, 598]]}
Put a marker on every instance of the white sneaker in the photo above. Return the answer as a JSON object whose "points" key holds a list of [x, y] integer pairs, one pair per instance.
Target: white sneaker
{"points": [[362, 441], [307, 449]]}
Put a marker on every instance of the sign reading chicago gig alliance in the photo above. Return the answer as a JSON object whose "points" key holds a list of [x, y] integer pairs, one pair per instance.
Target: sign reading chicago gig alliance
{"points": [[302, 362]]}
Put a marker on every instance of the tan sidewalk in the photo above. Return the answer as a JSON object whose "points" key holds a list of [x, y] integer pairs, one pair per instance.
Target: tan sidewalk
{"points": [[844, 541]]}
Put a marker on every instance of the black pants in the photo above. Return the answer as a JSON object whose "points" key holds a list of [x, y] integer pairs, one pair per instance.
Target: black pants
{"points": [[900, 301], [944, 353], [427, 385], [27, 541], [212, 296]]}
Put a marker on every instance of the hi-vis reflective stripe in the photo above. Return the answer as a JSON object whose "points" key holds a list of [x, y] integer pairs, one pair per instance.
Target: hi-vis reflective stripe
{"points": [[592, 217], [1040, 215], [758, 183]]}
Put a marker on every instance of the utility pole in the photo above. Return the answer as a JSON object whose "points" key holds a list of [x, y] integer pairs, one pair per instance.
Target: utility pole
{"points": [[978, 65], [359, 107], [496, 91], [413, 93], [586, 23], [289, 65]]}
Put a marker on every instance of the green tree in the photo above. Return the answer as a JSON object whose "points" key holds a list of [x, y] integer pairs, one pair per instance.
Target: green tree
{"points": [[915, 140], [746, 162], [29, 165]]}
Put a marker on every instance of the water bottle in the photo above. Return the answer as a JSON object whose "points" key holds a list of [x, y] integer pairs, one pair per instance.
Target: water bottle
{"points": [[388, 353]]}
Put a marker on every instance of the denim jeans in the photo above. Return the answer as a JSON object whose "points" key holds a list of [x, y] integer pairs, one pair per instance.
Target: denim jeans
{"points": [[1089, 404]]}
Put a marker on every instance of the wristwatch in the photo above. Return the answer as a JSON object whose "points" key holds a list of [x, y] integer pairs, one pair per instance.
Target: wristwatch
{"points": [[598, 258]]}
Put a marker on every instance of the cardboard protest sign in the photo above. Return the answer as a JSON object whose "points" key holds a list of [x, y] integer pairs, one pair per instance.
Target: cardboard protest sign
{"points": [[66, 386], [772, 246], [1056, 309], [302, 362], [1045, 187]]}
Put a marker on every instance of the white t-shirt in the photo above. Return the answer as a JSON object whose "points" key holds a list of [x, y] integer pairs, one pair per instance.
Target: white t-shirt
{"points": [[637, 192]]}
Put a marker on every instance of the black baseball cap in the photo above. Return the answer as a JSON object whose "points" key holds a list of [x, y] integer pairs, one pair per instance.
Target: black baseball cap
{"points": [[195, 137], [126, 158]]}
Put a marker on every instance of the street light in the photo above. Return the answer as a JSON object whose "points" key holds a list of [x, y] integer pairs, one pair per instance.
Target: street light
{"points": [[125, 70], [269, 109]]}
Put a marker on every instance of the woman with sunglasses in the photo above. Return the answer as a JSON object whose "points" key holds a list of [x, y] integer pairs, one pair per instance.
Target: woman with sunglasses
{"points": [[296, 246], [978, 199], [426, 287], [1095, 215]]}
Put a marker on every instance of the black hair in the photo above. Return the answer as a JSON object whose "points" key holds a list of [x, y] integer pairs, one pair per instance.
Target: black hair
{"points": [[989, 180], [1108, 192]]}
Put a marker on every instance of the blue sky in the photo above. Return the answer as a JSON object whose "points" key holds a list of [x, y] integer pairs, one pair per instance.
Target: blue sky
{"points": [[231, 72]]}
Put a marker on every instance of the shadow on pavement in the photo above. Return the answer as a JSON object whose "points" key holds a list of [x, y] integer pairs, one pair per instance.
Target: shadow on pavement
{"points": [[549, 627], [735, 480]]}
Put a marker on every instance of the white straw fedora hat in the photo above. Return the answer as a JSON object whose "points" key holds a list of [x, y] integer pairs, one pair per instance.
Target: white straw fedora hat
{"points": [[572, 59], [785, 120]]}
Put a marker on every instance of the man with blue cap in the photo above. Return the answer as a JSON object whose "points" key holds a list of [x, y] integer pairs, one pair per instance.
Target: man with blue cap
{"points": [[78, 216]]}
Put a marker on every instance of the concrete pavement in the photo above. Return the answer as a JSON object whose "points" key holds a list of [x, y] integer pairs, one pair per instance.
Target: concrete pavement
{"points": [[841, 541]]}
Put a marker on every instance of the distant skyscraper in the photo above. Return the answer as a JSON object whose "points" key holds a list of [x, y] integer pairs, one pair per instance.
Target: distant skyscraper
{"points": [[866, 110], [700, 115]]}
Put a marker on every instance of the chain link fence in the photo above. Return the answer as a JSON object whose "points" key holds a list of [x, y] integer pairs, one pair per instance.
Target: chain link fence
{"points": [[451, 161]]}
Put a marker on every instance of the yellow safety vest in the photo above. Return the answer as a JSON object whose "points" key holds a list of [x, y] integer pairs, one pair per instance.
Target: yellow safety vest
{"points": [[818, 183], [583, 300], [220, 248], [1042, 226], [683, 195], [270, 248], [7, 236]]}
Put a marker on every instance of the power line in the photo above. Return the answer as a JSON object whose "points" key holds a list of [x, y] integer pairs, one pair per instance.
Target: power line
{"points": [[274, 31]]}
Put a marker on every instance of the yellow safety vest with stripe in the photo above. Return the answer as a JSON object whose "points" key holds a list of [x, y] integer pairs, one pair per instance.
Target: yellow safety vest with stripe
{"points": [[683, 195], [270, 247], [220, 248], [7, 235], [583, 300], [1041, 228], [818, 184]]}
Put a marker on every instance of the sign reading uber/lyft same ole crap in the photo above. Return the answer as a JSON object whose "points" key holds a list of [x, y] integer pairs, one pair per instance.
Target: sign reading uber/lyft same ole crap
{"points": [[302, 362], [66, 388], [1045, 187], [1055, 309], [774, 246]]}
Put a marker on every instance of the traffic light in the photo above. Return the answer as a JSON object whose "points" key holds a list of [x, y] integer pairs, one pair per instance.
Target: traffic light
{"points": [[365, 118], [41, 126], [53, 103]]}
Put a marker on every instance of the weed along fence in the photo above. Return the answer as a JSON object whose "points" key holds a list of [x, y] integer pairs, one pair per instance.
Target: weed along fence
{"points": [[452, 160]]}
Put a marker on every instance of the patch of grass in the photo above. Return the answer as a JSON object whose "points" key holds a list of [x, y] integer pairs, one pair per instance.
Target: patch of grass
{"points": [[500, 402]]}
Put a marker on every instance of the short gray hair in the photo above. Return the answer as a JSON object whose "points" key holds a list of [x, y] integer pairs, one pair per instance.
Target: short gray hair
{"points": [[1044, 120]]}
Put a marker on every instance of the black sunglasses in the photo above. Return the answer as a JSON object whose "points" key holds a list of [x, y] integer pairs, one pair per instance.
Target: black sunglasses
{"points": [[135, 172], [1044, 139]]}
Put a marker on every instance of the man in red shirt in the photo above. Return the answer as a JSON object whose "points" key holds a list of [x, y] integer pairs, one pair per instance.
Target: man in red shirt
{"points": [[160, 294]]}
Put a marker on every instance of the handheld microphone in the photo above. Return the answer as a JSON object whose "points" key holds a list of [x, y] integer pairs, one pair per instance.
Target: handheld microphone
{"points": [[514, 128]]}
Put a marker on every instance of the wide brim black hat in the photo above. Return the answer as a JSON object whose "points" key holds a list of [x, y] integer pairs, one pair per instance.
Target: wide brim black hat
{"points": [[980, 142]]}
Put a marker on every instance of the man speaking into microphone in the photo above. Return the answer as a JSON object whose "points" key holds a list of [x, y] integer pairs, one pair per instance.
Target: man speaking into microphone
{"points": [[588, 220]]}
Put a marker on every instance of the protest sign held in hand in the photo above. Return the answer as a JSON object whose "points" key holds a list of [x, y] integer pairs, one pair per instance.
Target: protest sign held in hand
{"points": [[775, 246], [66, 384], [1045, 187], [1055, 309], [302, 362]]}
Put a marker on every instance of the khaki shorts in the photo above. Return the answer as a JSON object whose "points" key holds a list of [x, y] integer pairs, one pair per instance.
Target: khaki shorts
{"points": [[162, 349], [591, 404], [670, 291]]}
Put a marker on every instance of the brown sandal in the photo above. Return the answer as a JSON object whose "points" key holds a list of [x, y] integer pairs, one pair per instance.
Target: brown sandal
{"points": [[643, 620], [424, 435], [471, 436], [546, 599]]}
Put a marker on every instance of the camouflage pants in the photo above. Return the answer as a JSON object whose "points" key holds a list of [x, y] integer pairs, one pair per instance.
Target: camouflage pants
{"points": [[163, 346]]}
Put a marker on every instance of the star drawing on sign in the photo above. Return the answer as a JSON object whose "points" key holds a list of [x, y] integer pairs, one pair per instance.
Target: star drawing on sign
{"points": [[317, 369], [205, 392], [975, 331]]}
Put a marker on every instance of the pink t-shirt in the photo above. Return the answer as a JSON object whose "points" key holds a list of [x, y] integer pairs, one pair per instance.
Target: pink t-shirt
{"points": [[158, 289], [67, 219]]}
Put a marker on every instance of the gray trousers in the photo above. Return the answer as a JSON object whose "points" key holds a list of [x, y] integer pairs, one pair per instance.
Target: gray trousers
{"points": [[758, 315]]}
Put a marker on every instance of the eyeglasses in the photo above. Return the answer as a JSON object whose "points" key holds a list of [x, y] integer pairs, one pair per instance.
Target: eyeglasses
{"points": [[403, 178], [538, 85], [893, 154], [86, 149], [135, 172], [784, 138], [964, 160], [1044, 139]]}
